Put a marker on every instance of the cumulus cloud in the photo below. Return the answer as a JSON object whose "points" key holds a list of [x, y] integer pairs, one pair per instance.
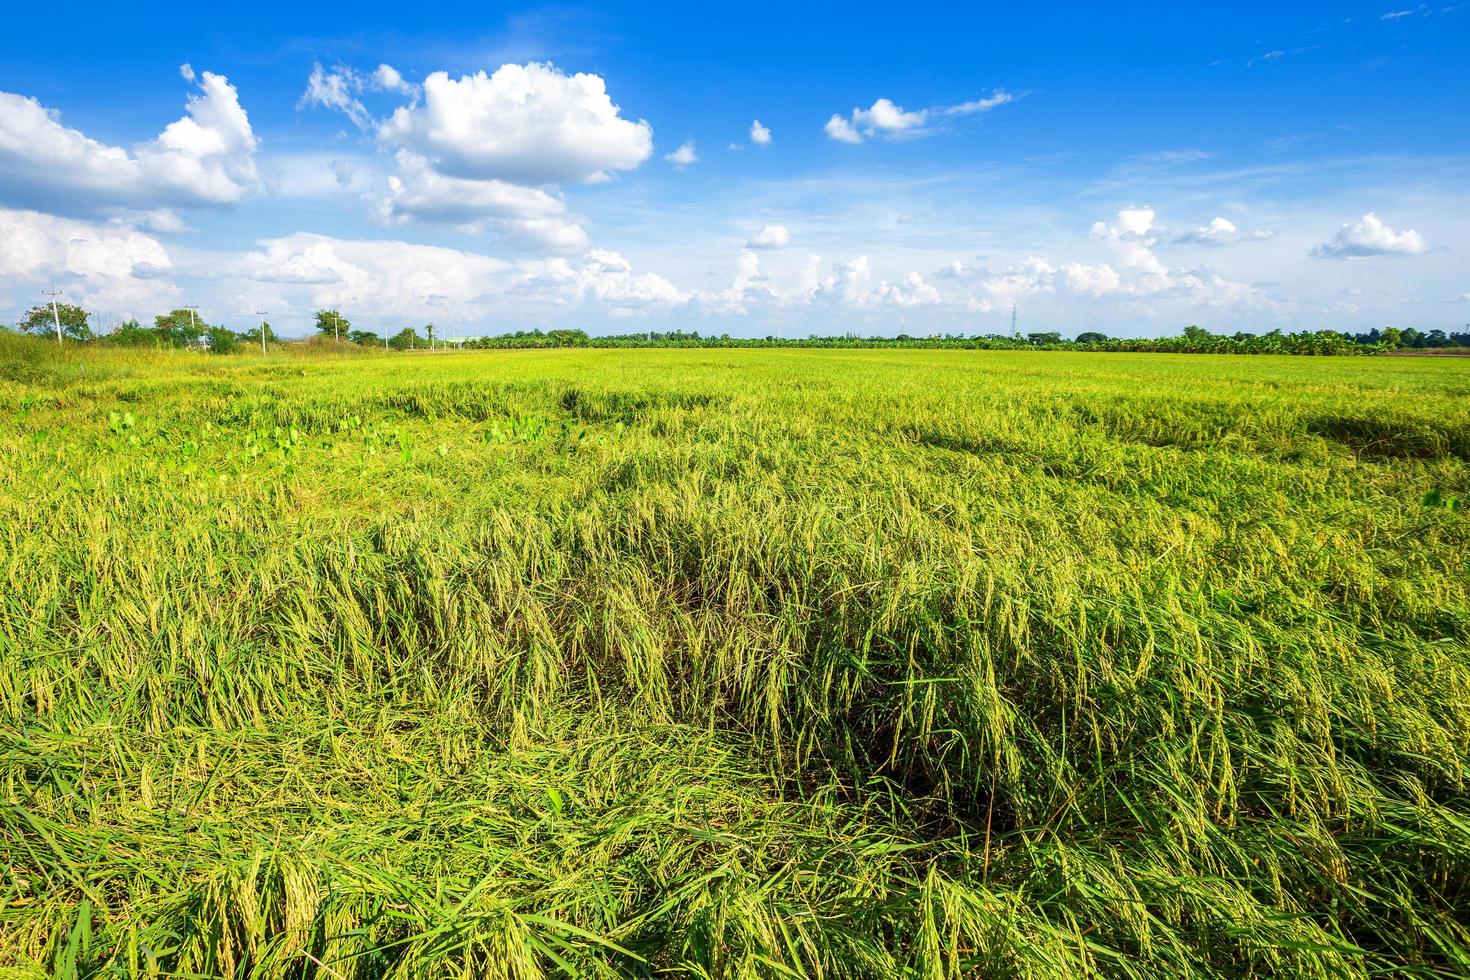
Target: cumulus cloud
{"points": [[1131, 224], [528, 216], [1132, 235], [388, 79], [1093, 280], [1221, 231], [603, 278], [886, 120], [486, 153], [883, 118], [395, 280], [749, 290], [853, 285], [1009, 285], [760, 135], [205, 158], [526, 124], [102, 266], [841, 130], [770, 236], [683, 156], [1370, 236]]}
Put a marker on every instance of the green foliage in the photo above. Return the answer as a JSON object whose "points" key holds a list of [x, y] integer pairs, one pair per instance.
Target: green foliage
{"points": [[42, 320], [131, 333], [1195, 340], [896, 663], [365, 338], [179, 328], [222, 340], [251, 337], [330, 323], [407, 339]]}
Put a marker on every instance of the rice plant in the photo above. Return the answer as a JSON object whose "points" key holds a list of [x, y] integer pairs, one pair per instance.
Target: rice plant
{"points": [[722, 663]]}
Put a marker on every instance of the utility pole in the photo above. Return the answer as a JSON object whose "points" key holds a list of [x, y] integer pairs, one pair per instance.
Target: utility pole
{"points": [[55, 314], [1013, 318], [385, 338], [336, 327], [263, 325]]}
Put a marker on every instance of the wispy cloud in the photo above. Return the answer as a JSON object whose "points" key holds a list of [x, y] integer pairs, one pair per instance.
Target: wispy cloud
{"points": [[886, 120], [1278, 54]]}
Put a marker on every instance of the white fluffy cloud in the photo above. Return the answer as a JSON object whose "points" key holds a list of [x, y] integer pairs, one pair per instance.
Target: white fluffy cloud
{"points": [[760, 135], [1370, 236], [1093, 280], [603, 278], [485, 152], [1132, 235], [527, 216], [205, 158], [525, 124], [1143, 274], [394, 281], [103, 267], [841, 130], [882, 119], [885, 120], [770, 236], [683, 156], [389, 79], [1221, 231]]}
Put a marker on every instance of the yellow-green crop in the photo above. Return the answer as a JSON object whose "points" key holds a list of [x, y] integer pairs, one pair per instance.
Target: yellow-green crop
{"points": [[733, 664]]}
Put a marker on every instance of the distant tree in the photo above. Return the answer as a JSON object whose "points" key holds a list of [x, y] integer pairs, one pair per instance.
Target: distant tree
{"points": [[330, 323], [568, 338], [178, 328], [40, 320], [131, 333], [1392, 337], [222, 340], [1040, 339], [252, 336], [364, 337], [429, 329], [1092, 337], [406, 339]]}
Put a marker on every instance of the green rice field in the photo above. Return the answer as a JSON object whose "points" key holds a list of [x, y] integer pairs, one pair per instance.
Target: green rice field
{"points": [[733, 664]]}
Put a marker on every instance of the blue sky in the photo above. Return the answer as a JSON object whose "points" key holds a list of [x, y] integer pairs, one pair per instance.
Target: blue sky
{"points": [[919, 168]]}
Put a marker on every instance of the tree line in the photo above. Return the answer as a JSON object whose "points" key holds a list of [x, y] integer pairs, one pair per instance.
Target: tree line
{"points": [[1194, 340], [182, 328]]}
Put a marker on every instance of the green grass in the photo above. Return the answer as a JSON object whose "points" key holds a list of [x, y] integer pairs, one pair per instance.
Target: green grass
{"points": [[733, 664]]}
